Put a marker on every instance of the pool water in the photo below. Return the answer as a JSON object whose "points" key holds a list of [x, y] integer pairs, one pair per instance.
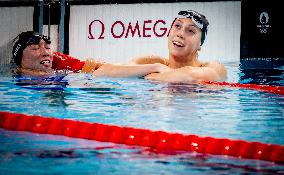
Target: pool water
{"points": [[203, 110]]}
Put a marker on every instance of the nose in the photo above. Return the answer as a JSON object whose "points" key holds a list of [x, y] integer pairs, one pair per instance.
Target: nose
{"points": [[180, 33], [45, 52]]}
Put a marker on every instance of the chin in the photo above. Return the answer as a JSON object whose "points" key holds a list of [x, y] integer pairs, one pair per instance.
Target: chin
{"points": [[177, 54], [46, 69]]}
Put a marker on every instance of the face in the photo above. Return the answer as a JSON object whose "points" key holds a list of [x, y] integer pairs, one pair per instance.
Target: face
{"points": [[184, 38], [37, 57]]}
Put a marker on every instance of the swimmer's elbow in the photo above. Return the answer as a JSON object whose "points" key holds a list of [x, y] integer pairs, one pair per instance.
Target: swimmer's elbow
{"points": [[206, 74], [222, 73], [219, 71]]}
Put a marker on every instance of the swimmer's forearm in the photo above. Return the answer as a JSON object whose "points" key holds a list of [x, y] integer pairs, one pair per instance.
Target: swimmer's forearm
{"points": [[186, 74], [110, 70], [172, 76]]}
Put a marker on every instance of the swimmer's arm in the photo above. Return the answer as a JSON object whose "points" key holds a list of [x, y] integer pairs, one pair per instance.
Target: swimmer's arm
{"points": [[148, 60], [219, 69], [93, 64], [111, 70], [213, 72]]}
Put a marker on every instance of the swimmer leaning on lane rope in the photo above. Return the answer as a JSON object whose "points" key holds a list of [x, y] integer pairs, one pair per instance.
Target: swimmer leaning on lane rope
{"points": [[185, 39]]}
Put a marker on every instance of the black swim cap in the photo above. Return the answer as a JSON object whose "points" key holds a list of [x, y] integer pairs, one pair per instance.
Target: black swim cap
{"points": [[23, 40], [198, 19]]}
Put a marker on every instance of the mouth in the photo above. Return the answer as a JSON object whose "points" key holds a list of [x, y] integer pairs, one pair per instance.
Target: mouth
{"points": [[45, 62], [178, 44]]}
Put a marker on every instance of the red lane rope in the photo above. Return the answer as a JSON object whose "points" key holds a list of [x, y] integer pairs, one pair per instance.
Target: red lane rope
{"points": [[267, 88], [159, 140]]}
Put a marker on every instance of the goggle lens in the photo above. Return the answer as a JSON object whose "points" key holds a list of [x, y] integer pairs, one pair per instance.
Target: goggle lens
{"points": [[192, 15], [36, 39]]}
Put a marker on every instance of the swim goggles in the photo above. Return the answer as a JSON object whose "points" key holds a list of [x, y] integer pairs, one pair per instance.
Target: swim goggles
{"points": [[194, 16], [23, 42], [35, 39]]}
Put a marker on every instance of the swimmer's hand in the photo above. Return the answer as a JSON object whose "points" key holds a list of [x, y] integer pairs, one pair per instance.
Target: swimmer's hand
{"points": [[161, 68], [91, 65]]}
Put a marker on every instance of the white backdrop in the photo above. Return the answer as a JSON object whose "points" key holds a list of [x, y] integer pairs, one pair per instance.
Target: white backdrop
{"points": [[14, 20], [104, 31]]}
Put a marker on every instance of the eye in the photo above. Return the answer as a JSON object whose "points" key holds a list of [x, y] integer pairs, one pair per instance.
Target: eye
{"points": [[177, 25], [191, 31], [34, 46]]}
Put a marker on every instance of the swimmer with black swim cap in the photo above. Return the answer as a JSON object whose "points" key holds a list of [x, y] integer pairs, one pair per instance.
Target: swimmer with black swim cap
{"points": [[32, 54]]}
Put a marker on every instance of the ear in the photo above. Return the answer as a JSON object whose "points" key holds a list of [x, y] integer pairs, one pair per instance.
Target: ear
{"points": [[199, 47]]}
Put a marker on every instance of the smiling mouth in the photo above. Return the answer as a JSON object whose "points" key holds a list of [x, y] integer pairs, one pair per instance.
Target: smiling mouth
{"points": [[178, 44]]}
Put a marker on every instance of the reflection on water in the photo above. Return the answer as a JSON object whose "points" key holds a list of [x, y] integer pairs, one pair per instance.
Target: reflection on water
{"points": [[59, 154], [262, 72], [124, 159], [263, 76], [55, 98]]}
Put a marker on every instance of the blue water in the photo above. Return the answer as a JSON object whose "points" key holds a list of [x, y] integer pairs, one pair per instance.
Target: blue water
{"points": [[176, 107]]}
